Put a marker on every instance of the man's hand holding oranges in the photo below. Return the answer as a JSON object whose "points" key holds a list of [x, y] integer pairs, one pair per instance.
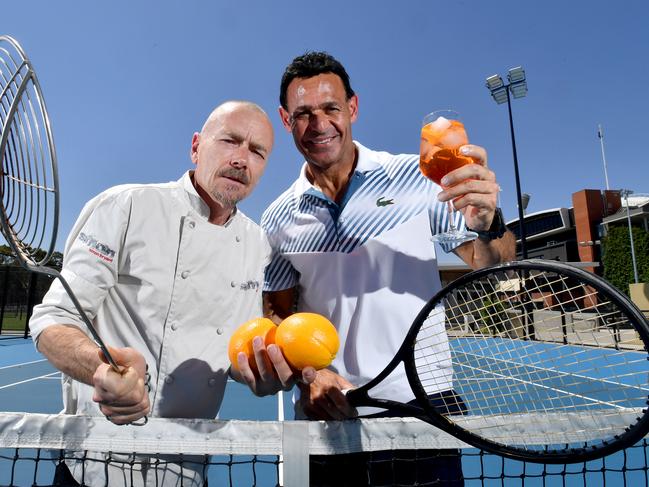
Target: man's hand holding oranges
{"points": [[269, 358]]}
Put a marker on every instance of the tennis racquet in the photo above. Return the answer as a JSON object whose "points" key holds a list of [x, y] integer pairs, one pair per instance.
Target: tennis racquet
{"points": [[511, 357], [29, 184]]}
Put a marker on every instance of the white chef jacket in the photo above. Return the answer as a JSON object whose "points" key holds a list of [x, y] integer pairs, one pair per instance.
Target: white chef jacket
{"points": [[152, 274]]}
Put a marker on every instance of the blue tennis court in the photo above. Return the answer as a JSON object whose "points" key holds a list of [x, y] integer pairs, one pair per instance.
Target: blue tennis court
{"points": [[29, 384], [566, 390], [574, 377]]}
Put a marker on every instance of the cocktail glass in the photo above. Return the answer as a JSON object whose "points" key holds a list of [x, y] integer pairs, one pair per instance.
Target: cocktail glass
{"points": [[442, 135]]}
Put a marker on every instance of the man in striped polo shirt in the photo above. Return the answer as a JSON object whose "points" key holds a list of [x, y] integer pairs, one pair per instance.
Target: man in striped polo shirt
{"points": [[351, 241]]}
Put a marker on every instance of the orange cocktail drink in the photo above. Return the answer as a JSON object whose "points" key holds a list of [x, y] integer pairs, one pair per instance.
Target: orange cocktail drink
{"points": [[441, 140], [442, 135]]}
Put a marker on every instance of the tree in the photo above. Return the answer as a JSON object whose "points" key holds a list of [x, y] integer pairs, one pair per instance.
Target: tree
{"points": [[6, 255], [56, 260], [616, 258], [15, 280], [493, 315]]}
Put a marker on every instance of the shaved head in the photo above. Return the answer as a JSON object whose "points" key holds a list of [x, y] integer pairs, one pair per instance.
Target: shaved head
{"points": [[229, 107]]}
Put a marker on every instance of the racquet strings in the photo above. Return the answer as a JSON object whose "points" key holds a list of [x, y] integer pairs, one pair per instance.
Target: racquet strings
{"points": [[28, 182], [538, 346]]}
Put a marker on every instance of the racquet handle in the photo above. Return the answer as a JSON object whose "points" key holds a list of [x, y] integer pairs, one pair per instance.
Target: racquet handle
{"points": [[100, 343]]}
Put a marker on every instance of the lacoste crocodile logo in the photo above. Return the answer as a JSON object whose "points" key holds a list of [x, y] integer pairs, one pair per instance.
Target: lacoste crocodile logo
{"points": [[383, 202]]}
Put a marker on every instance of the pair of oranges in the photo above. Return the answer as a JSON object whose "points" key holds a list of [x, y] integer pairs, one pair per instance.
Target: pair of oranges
{"points": [[305, 339]]}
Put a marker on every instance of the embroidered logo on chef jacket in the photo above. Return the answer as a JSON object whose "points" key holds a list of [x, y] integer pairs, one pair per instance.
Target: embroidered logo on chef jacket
{"points": [[246, 285], [97, 248]]}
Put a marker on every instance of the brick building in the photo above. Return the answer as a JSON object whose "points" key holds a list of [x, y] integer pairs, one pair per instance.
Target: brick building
{"points": [[573, 234]]}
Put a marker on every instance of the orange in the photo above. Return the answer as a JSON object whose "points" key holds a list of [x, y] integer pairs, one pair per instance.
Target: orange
{"points": [[307, 339], [241, 340]]}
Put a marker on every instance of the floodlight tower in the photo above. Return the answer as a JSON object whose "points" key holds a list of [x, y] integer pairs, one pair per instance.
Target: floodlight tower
{"points": [[500, 92]]}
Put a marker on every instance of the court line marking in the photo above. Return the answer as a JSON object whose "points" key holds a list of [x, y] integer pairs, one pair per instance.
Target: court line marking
{"points": [[558, 373], [543, 386], [24, 363], [29, 380]]}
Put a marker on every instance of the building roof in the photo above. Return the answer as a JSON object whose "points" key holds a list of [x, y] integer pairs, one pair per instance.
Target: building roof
{"points": [[636, 200], [529, 215], [638, 208], [543, 224]]}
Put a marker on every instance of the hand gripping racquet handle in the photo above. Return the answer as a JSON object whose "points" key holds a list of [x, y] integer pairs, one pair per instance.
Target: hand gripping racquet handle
{"points": [[100, 343]]}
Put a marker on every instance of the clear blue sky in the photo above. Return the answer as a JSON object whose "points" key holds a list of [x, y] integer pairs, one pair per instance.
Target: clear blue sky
{"points": [[128, 82]]}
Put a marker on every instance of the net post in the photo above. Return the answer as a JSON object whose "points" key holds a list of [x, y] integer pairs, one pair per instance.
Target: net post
{"points": [[295, 450], [281, 418]]}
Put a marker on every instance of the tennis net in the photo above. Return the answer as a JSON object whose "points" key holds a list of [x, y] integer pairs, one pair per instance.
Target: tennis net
{"points": [[270, 453]]}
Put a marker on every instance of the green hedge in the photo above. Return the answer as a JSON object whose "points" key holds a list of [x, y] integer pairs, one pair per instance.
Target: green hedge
{"points": [[618, 265]]}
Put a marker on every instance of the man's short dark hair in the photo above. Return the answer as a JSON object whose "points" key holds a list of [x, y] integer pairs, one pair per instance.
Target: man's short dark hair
{"points": [[312, 64]]}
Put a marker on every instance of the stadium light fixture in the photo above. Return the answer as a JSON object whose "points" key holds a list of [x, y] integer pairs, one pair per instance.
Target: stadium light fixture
{"points": [[517, 85]]}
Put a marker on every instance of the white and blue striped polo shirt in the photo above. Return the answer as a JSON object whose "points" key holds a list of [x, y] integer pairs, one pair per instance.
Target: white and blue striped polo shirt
{"points": [[367, 264]]}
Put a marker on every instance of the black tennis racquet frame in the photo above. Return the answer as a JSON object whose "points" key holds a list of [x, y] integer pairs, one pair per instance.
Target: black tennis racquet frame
{"points": [[428, 413]]}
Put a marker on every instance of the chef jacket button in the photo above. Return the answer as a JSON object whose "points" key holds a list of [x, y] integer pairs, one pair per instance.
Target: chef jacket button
{"points": [[219, 331], [237, 238], [184, 274], [233, 284], [174, 326], [191, 224], [212, 382], [169, 379]]}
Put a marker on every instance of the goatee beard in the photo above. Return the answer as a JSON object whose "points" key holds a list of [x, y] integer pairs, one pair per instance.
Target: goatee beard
{"points": [[227, 198]]}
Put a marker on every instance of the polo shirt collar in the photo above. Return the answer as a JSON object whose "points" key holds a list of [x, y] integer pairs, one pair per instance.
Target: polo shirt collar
{"points": [[367, 162]]}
